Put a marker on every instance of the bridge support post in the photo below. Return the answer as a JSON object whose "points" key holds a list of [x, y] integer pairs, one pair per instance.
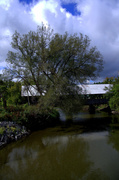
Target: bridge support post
{"points": [[91, 109]]}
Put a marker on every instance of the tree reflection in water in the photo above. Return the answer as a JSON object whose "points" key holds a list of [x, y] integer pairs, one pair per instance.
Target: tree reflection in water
{"points": [[49, 154], [60, 157], [114, 139]]}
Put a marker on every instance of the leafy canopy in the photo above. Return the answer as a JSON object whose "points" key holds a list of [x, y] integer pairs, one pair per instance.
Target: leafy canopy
{"points": [[53, 62]]}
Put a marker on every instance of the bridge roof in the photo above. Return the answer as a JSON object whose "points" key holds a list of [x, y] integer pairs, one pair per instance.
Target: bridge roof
{"points": [[95, 88], [86, 89]]}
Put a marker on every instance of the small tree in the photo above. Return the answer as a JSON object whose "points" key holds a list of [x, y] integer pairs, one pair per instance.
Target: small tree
{"points": [[54, 63], [108, 80]]}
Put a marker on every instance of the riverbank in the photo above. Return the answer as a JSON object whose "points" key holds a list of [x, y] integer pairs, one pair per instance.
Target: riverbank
{"points": [[11, 131]]}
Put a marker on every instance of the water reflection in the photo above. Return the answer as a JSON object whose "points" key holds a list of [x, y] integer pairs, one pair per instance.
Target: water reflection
{"points": [[82, 116], [62, 154], [104, 156], [114, 139], [60, 158]]}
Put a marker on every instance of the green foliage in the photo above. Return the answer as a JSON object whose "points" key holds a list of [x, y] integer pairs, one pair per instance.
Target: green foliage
{"points": [[114, 99], [14, 92], [108, 80], [35, 118], [52, 62], [113, 93], [31, 116], [11, 113], [3, 91], [114, 137], [13, 129], [2, 130], [10, 93]]}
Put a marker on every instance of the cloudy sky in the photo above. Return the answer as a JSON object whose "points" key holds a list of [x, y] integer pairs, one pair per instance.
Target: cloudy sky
{"points": [[99, 19]]}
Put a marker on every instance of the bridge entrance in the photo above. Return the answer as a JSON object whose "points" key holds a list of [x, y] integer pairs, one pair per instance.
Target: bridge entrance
{"points": [[94, 94], [95, 99]]}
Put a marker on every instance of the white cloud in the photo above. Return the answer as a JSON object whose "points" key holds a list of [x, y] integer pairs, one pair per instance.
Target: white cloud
{"points": [[51, 12], [99, 20], [5, 4], [40, 9], [14, 17]]}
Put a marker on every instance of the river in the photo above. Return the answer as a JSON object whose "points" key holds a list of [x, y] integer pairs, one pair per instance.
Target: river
{"points": [[88, 149]]}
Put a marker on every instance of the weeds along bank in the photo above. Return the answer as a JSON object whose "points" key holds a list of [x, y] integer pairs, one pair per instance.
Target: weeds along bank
{"points": [[17, 122]]}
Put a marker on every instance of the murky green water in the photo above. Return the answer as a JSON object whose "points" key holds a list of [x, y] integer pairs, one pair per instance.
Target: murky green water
{"points": [[64, 153]]}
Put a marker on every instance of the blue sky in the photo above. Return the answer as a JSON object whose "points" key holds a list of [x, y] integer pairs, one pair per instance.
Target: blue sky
{"points": [[26, 1], [70, 7], [99, 19]]}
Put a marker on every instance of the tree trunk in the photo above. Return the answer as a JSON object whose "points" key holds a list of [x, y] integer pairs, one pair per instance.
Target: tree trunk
{"points": [[4, 103]]}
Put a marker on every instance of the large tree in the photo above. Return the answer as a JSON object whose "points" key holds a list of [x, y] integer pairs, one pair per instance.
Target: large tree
{"points": [[54, 63]]}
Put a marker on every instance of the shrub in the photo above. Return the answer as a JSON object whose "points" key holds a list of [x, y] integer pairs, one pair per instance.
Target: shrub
{"points": [[31, 116], [34, 118]]}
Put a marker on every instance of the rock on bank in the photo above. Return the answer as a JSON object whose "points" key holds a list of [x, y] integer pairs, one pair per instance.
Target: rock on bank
{"points": [[11, 131]]}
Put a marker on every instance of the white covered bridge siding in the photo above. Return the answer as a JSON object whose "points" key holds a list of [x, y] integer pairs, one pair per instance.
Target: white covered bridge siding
{"points": [[30, 91], [93, 93], [91, 89], [95, 89]]}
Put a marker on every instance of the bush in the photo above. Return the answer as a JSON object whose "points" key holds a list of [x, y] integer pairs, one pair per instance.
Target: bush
{"points": [[34, 118], [14, 108], [30, 116]]}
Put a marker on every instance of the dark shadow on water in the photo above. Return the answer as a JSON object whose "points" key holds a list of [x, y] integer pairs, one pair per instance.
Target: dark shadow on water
{"points": [[88, 122]]}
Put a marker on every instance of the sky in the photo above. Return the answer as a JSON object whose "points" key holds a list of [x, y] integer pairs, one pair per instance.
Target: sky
{"points": [[99, 19]]}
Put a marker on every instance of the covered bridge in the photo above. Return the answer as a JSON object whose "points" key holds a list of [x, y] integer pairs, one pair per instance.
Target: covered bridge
{"points": [[90, 89], [94, 93]]}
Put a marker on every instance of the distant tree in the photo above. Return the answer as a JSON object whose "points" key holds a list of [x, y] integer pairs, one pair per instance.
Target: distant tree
{"points": [[54, 63], [114, 97], [113, 92], [109, 80]]}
